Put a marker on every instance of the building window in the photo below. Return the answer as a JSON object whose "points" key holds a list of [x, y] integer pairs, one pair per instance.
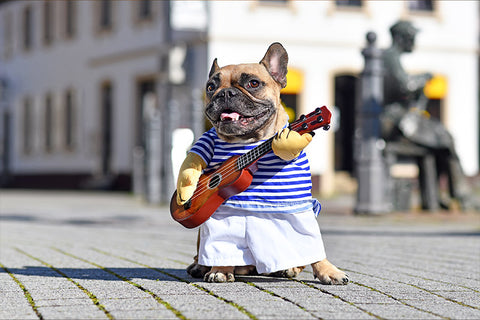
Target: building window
{"points": [[421, 5], [7, 35], [48, 123], [27, 24], [348, 3], [105, 21], [70, 18], [144, 9], [69, 121], [106, 127], [48, 22], [27, 126]]}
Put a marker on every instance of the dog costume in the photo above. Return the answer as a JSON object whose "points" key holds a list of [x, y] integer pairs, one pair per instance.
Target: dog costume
{"points": [[271, 224]]}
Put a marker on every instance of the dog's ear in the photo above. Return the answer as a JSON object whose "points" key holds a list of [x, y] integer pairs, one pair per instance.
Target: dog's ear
{"points": [[276, 60], [214, 68]]}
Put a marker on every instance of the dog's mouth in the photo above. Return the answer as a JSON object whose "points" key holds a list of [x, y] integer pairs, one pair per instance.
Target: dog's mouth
{"points": [[232, 124], [237, 118]]}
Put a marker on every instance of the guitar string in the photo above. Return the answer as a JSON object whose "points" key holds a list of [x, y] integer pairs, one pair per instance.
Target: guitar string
{"points": [[232, 168]]}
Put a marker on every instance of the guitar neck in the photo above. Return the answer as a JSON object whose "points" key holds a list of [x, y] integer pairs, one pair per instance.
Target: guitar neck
{"points": [[253, 155], [314, 120]]}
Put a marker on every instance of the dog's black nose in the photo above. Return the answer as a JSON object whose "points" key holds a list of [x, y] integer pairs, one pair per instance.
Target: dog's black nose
{"points": [[227, 93]]}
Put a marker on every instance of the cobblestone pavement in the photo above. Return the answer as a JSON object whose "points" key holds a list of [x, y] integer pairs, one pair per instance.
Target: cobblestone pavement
{"points": [[92, 255]]}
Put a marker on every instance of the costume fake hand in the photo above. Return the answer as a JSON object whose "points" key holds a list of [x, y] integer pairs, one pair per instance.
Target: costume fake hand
{"points": [[188, 176], [288, 144]]}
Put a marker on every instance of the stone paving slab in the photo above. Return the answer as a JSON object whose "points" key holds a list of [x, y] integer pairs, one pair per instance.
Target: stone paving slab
{"points": [[67, 255]]}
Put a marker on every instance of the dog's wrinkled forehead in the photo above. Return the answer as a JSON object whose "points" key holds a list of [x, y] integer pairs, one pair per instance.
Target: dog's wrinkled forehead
{"points": [[238, 75]]}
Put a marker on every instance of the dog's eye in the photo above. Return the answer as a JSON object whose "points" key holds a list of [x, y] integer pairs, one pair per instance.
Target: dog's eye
{"points": [[210, 87], [253, 84]]}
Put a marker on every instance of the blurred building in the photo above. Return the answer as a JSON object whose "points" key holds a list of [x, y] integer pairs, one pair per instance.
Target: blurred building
{"points": [[324, 38], [74, 74]]}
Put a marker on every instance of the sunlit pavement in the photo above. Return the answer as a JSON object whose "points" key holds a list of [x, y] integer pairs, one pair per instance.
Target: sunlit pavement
{"points": [[107, 255]]}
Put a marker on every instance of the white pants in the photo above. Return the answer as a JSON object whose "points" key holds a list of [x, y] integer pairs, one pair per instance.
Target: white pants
{"points": [[269, 241]]}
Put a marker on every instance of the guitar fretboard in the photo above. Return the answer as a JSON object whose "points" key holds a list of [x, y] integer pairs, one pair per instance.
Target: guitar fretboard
{"points": [[253, 155]]}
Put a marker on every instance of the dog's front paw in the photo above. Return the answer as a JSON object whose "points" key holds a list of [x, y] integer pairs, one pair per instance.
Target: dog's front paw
{"points": [[327, 273], [196, 270], [220, 274], [288, 144]]}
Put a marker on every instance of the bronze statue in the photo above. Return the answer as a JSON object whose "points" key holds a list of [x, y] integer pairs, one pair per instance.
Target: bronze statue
{"points": [[405, 118]]}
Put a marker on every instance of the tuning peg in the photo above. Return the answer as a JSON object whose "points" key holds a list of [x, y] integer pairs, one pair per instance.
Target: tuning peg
{"points": [[318, 110], [304, 126], [319, 119], [302, 117], [326, 127]]}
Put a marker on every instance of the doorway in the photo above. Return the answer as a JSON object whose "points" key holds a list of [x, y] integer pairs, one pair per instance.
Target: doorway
{"points": [[345, 86]]}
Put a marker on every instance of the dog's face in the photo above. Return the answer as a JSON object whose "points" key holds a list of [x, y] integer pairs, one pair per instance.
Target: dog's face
{"points": [[243, 100]]}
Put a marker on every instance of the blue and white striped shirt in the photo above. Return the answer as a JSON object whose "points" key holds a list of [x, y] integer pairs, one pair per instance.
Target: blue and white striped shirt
{"points": [[278, 186]]}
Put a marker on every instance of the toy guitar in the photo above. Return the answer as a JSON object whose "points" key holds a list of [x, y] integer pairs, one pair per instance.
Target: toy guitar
{"points": [[235, 175]]}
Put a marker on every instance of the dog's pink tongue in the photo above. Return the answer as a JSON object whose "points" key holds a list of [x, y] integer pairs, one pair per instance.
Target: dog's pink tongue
{"points": [[234, 116]]}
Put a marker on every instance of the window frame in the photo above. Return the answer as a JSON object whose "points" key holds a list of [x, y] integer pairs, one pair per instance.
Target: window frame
{"points": [[27, 125], [8, 34], [27, 34], [422, 13], [137, 19], [49, 123], [69, 11], [98, 13], [433, 3], [348, 6], [48, 21], [334, 8], [69, 120], [139, 10]]}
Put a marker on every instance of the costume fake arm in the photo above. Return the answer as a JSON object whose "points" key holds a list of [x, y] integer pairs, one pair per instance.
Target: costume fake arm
{"points": [[188, 176], [288, 144]]}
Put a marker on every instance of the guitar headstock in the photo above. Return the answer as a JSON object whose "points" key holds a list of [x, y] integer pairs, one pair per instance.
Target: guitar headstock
{"points": [[319, 118]]}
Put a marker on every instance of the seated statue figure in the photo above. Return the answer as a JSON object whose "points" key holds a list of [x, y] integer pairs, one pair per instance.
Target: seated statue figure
{"points": [[405, 118]]}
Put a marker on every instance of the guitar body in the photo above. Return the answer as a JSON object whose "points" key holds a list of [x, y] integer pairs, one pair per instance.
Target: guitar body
{"points": [[212, 190]]}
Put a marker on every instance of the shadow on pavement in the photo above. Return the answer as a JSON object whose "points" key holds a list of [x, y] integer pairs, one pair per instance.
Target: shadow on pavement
{"points": [[101, 221], [105, 274]]}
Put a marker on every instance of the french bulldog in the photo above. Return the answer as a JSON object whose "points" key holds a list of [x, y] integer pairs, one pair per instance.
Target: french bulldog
{"points": [[243, 104]]}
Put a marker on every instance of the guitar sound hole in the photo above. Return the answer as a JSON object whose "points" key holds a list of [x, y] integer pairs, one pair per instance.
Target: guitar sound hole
{"points": [[215, 181]]}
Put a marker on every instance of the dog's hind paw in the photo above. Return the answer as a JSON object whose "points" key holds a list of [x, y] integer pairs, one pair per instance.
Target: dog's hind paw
{"points": [[220, 274]]}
